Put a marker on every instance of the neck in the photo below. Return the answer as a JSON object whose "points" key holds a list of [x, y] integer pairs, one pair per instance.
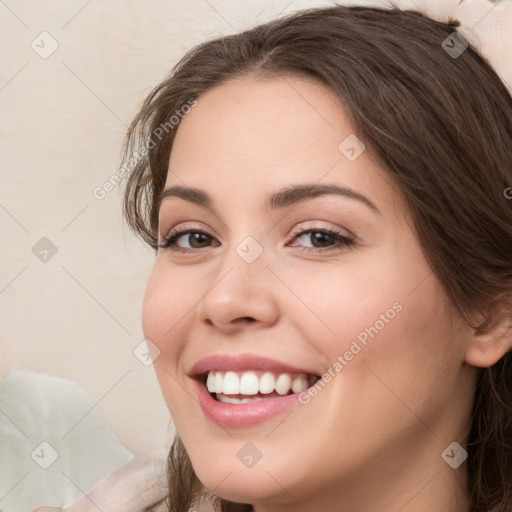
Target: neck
{"points": [[426, 484]]}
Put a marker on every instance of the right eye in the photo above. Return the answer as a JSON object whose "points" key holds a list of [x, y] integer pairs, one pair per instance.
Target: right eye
{"points": [[186, 240]]}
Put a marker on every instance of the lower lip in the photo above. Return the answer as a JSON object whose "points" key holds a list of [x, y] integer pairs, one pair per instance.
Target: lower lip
{"points": [[242, 415]]}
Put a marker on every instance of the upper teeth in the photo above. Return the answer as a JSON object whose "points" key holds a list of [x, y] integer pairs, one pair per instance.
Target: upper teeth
{"points": [[249, 383]]}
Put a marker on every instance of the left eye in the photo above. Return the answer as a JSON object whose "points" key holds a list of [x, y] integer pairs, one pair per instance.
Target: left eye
{"points": [[318, 239]]}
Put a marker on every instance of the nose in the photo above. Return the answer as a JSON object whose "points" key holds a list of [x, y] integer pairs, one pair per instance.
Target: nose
{"points": [[242, 295]]}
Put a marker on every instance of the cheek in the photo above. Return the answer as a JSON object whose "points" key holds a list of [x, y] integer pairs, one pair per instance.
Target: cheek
{"points": [[340, 302], [168, 301], [168, 310], [409, 352], [164, 314], [380, 312]]}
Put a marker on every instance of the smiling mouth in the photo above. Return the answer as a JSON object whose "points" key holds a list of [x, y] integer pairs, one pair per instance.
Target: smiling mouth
{"points": [[251, 386]]}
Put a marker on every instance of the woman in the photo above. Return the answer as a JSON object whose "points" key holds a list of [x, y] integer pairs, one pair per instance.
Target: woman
{"points": [[330, 304]]}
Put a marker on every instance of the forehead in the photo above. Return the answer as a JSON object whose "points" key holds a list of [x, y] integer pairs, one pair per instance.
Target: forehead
{"points": [[259, 133], [262, 118]]}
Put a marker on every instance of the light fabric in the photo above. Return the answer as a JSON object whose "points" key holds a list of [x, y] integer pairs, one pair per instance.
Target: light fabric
{"points": [[40, 408]]}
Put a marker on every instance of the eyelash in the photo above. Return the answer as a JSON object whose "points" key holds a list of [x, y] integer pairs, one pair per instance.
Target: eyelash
{"points": [[341, 241]]}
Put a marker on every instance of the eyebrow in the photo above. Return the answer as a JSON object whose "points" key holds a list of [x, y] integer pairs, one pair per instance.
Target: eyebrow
{"points": [[286, 197]]}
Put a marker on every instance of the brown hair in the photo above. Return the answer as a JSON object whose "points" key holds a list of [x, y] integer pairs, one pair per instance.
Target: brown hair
{"points": [[442, 128]]}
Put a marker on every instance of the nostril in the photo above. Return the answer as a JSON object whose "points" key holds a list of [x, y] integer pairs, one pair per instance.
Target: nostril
{"points": [[236, 321], [245, 319]]}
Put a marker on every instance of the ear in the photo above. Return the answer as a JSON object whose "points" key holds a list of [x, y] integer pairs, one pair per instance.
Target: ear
{"points": [[492, 339]]}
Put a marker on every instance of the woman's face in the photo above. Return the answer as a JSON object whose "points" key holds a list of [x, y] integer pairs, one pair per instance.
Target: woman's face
{"points": [[298, 259]]}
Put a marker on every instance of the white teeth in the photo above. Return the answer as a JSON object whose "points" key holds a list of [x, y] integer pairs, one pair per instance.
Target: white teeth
{"points": [[283, 384], [231, 384], [247, 400], [299, 384], [210, 382], [267, 383], [219, 382], [248, 383], [228, 400]]}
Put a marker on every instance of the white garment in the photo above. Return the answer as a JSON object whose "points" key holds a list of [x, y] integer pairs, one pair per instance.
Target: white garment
{"points": [[40, 408]]}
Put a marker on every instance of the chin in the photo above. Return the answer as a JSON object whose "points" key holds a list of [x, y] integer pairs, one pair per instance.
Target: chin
{"points": [[222, 472], [240, 488]]}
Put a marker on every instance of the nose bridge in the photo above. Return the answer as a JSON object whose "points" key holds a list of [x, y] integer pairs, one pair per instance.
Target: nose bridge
{"points": [[246, 256], [242, 288], [243, 269]]}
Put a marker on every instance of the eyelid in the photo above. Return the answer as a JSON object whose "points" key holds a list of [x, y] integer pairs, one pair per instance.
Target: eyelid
{"points": [[184, 226], [316, 227]]}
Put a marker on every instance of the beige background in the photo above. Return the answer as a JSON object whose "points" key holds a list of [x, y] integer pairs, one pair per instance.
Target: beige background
{"points": [[63, 117]]}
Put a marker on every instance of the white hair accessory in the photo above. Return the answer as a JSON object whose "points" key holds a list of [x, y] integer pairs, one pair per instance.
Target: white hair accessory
{"points": [[485, 25]]}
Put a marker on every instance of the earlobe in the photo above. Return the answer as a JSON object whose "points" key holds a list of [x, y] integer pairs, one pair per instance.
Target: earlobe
{"points": [[490, 343]]}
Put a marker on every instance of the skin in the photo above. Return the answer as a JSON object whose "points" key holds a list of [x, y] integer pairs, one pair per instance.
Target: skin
{"points": [[372, 439]]}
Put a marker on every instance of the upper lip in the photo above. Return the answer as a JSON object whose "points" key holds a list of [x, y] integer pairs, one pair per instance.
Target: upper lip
{"points": [[243, 362]]}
